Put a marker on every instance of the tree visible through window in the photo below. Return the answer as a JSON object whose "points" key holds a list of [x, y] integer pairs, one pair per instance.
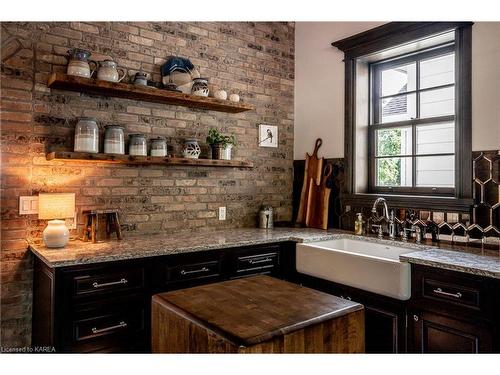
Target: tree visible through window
{"points": [[389, 173]]}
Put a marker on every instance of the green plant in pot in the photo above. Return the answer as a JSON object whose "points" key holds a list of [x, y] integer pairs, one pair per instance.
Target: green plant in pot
{"points": [[220, 144]]}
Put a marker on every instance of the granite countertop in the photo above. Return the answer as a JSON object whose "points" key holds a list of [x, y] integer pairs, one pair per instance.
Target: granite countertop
{"points": [[482, 263], [79, 252], [441, 255]]}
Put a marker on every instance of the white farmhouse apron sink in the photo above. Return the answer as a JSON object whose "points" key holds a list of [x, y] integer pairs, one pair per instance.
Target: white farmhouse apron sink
{"points": [[365, 265]]}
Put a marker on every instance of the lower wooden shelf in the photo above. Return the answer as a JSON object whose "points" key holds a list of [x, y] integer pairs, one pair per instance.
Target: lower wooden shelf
{"points": [[145, 160]]}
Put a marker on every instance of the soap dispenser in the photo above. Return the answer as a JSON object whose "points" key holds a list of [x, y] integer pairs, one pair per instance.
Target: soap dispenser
{"points": [[358, 224]]}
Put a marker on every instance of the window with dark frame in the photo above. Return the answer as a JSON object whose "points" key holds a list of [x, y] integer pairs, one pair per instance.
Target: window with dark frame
{"points": [[372, 52], [412, 123]]}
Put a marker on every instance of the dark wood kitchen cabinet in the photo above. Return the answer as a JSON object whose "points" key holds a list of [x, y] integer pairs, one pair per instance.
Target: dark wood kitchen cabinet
{"points": [[453, 312], [385, 318], [435, 333], [448, 312], [106, 307]]}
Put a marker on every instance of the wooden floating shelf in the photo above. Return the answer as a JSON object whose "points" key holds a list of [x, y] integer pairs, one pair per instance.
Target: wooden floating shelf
{"points": [[145, 160], [149, 94]]}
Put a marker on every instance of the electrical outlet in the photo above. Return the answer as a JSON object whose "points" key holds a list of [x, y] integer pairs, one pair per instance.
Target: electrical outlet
{"points": [[222, 213], [28, 205], [268, 135]]}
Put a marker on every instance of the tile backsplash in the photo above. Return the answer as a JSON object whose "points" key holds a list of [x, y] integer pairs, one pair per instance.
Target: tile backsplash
{"points": [[483, 220]]}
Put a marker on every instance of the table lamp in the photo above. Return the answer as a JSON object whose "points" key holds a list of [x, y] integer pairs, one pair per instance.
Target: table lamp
{"points": [[54, 207]]}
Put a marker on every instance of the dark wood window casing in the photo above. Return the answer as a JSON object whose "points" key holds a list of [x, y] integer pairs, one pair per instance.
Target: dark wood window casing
{"points": [[390, 36]]}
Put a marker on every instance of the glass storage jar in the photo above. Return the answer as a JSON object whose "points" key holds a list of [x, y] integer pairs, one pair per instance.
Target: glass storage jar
{"points": [[114, 140], [137, 145], [86, 135], [159, 146]]}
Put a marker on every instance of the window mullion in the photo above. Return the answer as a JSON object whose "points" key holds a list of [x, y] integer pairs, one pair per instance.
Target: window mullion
{"points": [[421, 121], [414, 127], [417, 89], [432, 88], [413, 153]]}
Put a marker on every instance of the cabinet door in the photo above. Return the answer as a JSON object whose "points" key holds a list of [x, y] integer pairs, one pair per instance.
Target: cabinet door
{"points": [[385, 318], [381, 330], [433, 333]]}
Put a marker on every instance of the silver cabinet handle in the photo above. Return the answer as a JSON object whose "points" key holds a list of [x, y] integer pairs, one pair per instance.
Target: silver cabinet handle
{"points": [[202, 269], [251, 261], [415, 318], [454, 295], [97, 285], [122, 324]]}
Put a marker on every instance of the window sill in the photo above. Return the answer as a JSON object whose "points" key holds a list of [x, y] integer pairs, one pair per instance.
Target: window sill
{"points": [[421, 202]]}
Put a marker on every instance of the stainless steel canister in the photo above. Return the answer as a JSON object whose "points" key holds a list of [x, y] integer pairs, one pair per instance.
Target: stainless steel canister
{"points": [[266, 217]]}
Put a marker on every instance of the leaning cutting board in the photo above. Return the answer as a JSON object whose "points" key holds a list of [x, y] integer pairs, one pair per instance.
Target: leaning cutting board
{"points": [[318, 200], [312, 170]]}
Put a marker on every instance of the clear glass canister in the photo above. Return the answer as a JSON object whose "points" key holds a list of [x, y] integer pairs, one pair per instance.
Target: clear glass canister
{"points": [[159, 146], [138, 145], [86, 135], [114, 140]]}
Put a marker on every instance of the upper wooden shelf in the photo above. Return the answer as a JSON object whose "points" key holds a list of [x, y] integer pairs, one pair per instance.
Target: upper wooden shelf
{"points": [[149, 94], [144, 160]]}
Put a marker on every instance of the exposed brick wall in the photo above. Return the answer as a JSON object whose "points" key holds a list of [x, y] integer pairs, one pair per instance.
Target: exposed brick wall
{"points": [[255, 60]]}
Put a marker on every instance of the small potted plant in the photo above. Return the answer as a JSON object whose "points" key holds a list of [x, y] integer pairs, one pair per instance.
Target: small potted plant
{"points": [[220, 144]]}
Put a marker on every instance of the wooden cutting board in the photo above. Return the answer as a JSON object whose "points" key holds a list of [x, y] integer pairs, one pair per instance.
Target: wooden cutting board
{"points": [[318, 200], [312, 170]]}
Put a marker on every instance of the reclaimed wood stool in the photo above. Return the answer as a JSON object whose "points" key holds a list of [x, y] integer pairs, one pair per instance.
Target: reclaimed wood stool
{"points": [[258, 314], [91, 229]]}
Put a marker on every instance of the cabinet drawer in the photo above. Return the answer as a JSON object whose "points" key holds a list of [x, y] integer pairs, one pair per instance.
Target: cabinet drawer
{"points": [[116, 323], [450, 292], [108, 281], [108, 330], [193, 271], [257, 262]]}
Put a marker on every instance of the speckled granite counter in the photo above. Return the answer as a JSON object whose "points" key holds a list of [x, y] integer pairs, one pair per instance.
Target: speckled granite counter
{"points": [[79, 252], [457, 258], [474, 262]]}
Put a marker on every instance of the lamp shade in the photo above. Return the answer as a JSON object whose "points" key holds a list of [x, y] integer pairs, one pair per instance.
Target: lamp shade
{"points": [[56, 205]]}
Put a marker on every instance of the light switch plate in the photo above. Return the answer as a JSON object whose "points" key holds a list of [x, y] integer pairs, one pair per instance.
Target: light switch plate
{"points": [[268, 135], [71, 222], [28, 205]]}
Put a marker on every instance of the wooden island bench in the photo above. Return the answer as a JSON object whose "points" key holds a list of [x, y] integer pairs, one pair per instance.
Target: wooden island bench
{"points": [[257, 314]]}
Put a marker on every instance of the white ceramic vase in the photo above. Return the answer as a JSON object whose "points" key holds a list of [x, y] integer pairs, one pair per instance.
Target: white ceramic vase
{"points": [[56, 234]]}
